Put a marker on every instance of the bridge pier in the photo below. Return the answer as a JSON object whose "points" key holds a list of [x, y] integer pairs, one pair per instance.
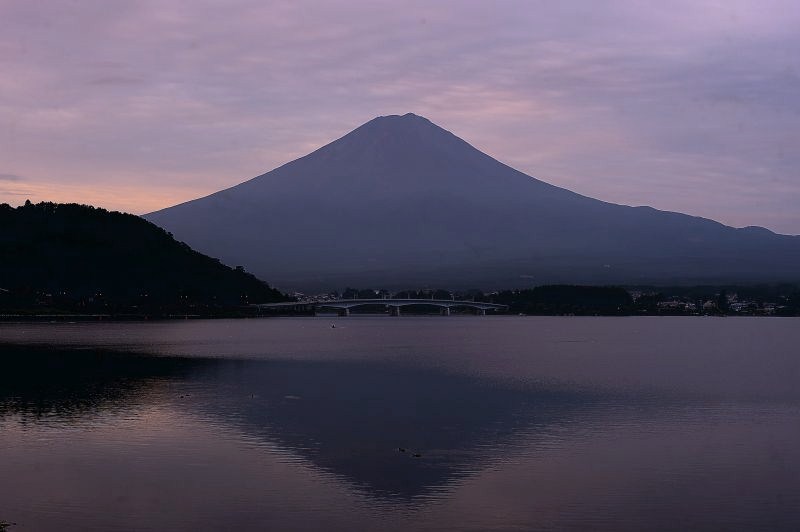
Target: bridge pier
{"points": [[480, 311], [445, 311], [394, 310], [344, 312]]}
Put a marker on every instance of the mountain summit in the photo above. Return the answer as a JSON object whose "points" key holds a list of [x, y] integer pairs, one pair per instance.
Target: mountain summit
{"points": [[401, 202]]}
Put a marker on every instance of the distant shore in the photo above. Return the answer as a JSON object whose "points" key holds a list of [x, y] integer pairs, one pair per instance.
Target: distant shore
{"points": [[93, 318], [545, 300]]}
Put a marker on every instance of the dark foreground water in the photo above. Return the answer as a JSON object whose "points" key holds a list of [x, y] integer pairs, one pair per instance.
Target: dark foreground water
{"points": [[289, 424]]}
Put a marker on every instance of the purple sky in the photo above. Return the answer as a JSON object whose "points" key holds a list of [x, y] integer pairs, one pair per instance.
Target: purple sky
{"points": [[687, 106]]}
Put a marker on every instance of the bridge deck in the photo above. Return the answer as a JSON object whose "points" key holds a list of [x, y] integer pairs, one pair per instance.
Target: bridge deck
{"points": [[350, 303]]}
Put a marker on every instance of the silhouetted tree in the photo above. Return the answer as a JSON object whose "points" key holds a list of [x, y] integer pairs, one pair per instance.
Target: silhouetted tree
{"points": [[722, 301]]}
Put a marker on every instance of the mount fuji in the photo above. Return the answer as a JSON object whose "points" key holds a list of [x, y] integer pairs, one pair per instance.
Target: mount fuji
{"points": [[400, 202]]}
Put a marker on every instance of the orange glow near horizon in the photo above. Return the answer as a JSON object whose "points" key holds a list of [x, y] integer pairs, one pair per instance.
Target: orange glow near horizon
{"points": [[112, 197]]}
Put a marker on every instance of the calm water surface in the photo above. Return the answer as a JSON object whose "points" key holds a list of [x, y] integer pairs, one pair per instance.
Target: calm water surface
{"points": [[290, 424]]}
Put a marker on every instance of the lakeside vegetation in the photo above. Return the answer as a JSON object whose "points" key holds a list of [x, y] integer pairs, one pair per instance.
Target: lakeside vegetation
{"points": [[77, 259]]}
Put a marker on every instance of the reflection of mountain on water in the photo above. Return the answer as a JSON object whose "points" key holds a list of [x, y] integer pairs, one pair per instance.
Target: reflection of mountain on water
{"points": [[352, 418], [347, 418]]}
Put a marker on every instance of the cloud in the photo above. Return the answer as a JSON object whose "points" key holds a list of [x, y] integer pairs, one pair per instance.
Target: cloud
{"points": [[10, 177], [115, 80]]}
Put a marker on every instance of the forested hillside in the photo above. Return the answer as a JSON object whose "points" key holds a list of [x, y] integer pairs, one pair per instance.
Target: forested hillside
{"points": [[77, 256]]}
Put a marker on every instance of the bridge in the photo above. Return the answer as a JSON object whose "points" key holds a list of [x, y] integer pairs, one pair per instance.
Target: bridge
{"points": [[343, 306]]}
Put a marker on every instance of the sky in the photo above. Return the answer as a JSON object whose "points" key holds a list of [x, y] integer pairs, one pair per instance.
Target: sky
{"points": [[690, 106]]}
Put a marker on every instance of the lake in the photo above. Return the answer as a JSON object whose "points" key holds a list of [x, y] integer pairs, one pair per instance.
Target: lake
{"points": [[409, 423]]}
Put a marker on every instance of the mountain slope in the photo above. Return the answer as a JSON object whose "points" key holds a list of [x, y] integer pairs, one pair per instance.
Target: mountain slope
{"points": [[400, 201], [79, 252]]}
